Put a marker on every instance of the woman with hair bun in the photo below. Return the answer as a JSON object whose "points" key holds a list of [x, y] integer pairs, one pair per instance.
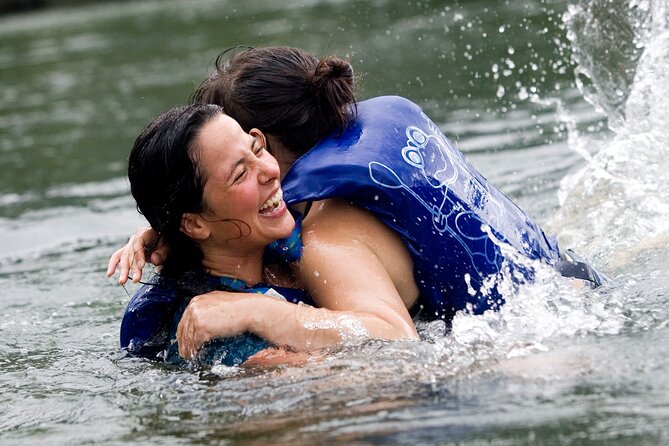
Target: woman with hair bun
{"points": [[395, 221], [291, 95]]}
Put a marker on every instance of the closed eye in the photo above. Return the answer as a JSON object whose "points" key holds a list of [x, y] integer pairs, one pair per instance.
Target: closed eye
{"points": [[258, 148], [240, 176]]}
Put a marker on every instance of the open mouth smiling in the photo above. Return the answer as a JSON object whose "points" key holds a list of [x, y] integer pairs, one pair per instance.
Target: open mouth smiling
{"points": [[273, 203]]}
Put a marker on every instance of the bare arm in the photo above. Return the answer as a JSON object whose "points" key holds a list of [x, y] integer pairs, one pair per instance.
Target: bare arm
{"points": [[222, 314], [342, 270]]}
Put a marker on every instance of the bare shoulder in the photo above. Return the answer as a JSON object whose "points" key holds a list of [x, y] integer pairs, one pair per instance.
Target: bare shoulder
{"points": [[337, 218], [335, 229]]}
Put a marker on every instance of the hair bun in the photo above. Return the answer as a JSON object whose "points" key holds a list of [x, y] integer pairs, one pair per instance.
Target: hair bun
{"points": [[331, 68], [334, 87]]}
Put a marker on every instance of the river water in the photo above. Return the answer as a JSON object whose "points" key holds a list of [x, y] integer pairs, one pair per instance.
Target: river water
{"points": [[561, 104]]}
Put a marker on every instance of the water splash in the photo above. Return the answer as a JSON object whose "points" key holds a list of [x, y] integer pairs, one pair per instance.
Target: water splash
{"points": [[607, 39], [619, 203], [535, 317]]}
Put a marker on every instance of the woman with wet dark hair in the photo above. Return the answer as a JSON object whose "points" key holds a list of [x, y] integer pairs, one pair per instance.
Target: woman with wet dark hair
{"points": [[395, 219], [212, 192]]}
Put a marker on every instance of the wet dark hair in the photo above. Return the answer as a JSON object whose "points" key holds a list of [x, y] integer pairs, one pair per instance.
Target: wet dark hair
{"points": [[166, 182], [285, 92]]}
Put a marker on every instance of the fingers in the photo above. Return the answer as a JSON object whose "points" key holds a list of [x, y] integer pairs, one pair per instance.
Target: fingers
{"points": [[187, 341], [136, 260], [201, 322], [113, 261], [131, 259], [125, 262], [187, 335], [157, 258], [182, 340], [160, 252], [119, 260]]}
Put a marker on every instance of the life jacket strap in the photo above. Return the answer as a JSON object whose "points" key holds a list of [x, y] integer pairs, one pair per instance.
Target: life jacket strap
{"points": [[575, 267]]}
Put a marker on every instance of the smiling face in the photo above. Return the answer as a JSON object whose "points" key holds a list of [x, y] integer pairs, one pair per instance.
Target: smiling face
{"points": [[244, 209]]}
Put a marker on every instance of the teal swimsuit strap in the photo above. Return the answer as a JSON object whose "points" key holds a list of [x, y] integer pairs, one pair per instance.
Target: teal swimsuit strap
{"points": [[231, 351], [237, 284], [289, 249]]}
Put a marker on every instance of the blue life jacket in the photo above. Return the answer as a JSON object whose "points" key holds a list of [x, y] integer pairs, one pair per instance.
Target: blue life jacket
{"points": [[148, 328], [395, 162], [147, 321]]}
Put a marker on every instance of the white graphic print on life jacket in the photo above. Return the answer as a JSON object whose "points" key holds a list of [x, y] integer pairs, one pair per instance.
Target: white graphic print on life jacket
{"points": [[438, 163]]}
